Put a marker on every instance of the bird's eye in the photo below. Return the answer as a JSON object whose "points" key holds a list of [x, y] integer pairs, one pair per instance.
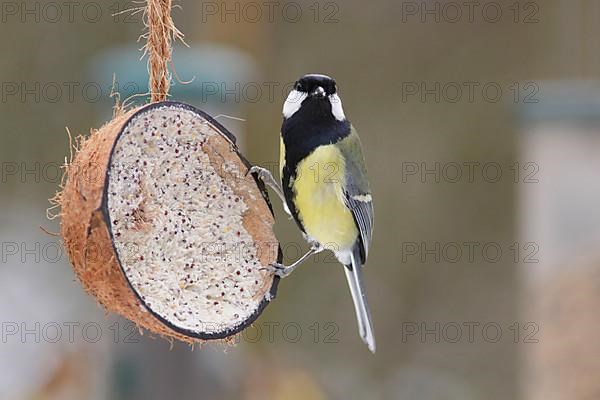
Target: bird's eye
{"points": [[298, 86]]}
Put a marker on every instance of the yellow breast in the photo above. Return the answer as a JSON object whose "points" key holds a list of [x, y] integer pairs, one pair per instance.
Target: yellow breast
{"points": [[319, 199]]}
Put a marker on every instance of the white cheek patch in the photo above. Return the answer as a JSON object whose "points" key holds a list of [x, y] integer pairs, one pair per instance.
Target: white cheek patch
{"points": [[336, 107], [293, 103]]}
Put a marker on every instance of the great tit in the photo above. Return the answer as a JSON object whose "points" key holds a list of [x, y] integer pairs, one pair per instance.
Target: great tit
{"points": [[324, 184]]}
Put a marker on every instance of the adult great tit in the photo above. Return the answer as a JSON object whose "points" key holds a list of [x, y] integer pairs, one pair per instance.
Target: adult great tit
{"points": [[324, 184]]}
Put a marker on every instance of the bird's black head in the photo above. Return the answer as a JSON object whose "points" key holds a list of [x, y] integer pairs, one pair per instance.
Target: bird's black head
{"points": [[316, 85], [315, 95]]}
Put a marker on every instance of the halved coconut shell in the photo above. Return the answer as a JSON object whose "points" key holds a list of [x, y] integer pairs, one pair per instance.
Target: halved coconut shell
{"points": [[164, 226]]}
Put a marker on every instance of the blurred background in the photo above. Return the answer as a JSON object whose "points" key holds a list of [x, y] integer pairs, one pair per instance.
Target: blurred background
{"points": [[480, 125]]}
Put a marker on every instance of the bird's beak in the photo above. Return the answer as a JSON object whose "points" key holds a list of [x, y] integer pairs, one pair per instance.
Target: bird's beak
{"points": [[319, 91]]}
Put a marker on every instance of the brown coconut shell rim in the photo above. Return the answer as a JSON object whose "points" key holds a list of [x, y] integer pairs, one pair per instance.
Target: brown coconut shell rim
{"points": [[270, 295]]}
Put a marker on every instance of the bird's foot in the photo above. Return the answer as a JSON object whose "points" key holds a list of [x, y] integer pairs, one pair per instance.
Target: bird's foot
{"points": [[265, 175], [285, 270], [280, 270], [259, 171]]}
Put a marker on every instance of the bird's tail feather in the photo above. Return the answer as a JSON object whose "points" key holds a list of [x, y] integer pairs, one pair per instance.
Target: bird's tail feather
{"points": [[363, 314]]}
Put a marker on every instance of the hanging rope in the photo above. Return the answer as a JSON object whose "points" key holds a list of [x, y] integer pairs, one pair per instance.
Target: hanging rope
{"points": [[161, 31]]}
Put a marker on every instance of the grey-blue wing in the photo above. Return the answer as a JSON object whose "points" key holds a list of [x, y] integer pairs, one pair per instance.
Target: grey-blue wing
{"points": [[357, 191], [363, 215]]}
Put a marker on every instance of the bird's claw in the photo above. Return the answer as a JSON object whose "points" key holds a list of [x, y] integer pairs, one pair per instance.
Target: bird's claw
{"points": [[278, 269], [259, 171]]}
